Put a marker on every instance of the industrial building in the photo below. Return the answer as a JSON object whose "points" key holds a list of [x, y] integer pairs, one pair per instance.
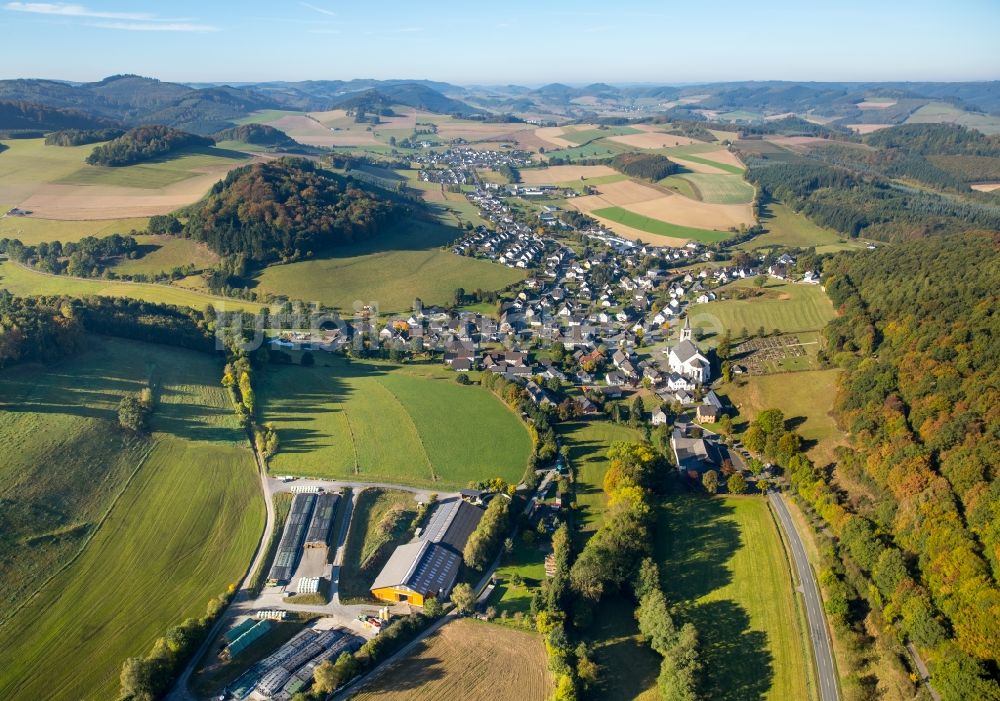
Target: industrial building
{"points": [[318, 535], [290, 668], [429, 566], [299, 518]]}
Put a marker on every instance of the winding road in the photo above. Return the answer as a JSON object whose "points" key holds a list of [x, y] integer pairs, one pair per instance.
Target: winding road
{"points": [[822, 649]]}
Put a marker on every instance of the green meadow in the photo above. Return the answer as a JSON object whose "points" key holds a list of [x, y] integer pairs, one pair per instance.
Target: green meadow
{"points": [[659, 227]]}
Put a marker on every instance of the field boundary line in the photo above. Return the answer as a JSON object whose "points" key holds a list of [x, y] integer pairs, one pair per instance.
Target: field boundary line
{"points": [[87, 541], [434, 477]]}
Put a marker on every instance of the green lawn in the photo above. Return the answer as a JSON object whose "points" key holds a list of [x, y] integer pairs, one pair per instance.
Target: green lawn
{"points": [[806, 398], [787, 307], [409, 424], [24, 282], [181, 531], [528, 561], [30, 230], [366, 540], [725, 568], [658, 227], [787, 228], [164, 253], [588, 443], [391, 270]]}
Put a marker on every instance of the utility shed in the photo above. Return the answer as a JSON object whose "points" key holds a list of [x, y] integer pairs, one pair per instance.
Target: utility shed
{"points": [[451, 524], [291, 539], [318, 535], [417, 571]]}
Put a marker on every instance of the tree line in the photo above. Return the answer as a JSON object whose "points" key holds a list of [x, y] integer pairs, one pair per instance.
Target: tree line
{"points": [[144, 144], [649, 166], [81, 137]]}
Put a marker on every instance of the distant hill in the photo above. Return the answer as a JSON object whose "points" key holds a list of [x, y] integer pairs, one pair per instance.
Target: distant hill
{"points": [[409, 94], [18, 115], [284, 209], [258, 134], [143, 144]]}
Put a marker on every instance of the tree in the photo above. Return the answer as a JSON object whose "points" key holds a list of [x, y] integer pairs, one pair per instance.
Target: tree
{"points": [[307, 360], [463, 597], [462, 379], [330, 676], [710, 480], [648, 578], [433, 608], [737, 484], [131, 414], [726, 425], [771, 421], [755, 439], [655, 622]]}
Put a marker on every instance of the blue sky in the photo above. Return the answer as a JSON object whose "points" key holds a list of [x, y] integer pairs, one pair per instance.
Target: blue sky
{"points": [[511, 41]]}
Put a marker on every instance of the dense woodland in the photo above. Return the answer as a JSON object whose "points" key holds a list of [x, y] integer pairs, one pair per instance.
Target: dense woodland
{"points": [[144, 144], [81, 137], [649, 166], [259, 134], [919, 339], [285, 209]]}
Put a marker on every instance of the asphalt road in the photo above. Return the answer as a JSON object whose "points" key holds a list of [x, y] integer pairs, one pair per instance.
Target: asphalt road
{"points": [[822, 652]]}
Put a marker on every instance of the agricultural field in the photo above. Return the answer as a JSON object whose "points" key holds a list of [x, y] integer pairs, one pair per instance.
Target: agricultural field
{"points": [[379, 523], [714, 188], [787, 228], [54, 182], [470, 660], [806, 398], [675, 233], [409, 424], [161, 254], [785, 307], [32, 230], [938, 112], [391, 271], [727, 572], [136, 533], [25, 282], [552, 175], [588, 443]]}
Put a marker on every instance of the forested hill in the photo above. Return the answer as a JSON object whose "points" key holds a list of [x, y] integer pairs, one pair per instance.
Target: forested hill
{"points": [[19, 115], [142, 144], [286, 208], [258, 134], [919, 338]]}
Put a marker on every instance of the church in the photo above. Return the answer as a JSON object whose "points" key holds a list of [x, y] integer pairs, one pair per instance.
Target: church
{"points": [[685, 359]]}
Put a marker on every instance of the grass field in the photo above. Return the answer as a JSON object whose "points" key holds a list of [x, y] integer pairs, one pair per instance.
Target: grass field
{"points": [[629, 666], [786, 307], [805, 397], [177, 534], [30, 230], [660, 228], [726, 569], [162, 254], [587, 135], [471, 660], [24, 282], [409, 424], [527, 560], [787, 228], [588, 443], [712, 187], [391, 271], [936, 112], [366, 538], [157, 173], [728, 167]]}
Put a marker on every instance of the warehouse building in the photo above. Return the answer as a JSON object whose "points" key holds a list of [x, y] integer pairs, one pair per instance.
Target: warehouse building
{"points": [[299, 518], [318, 535], [428, 567]]}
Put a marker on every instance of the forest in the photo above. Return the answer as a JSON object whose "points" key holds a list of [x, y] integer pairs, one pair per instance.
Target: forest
{"points": [[286, 209], [259, 134], [144, 144], [650, 166], [81, 137], [918, 338]]}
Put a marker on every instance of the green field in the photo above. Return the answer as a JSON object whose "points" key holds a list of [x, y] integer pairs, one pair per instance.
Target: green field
{"points": [[658, 227], [587, 135], [161, 254], [728, 167], [786, 307], [409, 424], [806, 397], [936, 112], [629, 666], [24, 282], [787, 228], [160, 524], [601, 148], [588, 443], [30, 230], [527, 560], [365, 539], [715, 188], [726, 569], [29, 162], [391, 270], [157, 173]]}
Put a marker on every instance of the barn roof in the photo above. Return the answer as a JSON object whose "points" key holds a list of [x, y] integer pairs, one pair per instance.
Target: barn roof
{"points": [[422, 567], [452, 523]]}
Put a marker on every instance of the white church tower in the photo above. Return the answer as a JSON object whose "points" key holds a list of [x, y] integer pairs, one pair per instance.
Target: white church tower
{"points": [[686, 329]]}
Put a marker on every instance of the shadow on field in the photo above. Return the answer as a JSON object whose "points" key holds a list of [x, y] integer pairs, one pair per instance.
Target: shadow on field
{"points": [[695, 541], [419, 672]]}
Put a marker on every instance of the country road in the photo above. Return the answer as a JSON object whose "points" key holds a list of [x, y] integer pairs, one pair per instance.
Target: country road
{"points": [[822, 652]]}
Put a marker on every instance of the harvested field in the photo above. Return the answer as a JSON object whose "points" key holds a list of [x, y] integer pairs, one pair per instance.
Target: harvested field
{"points": [[470, 660], [696, 167], [651, 139], [656, 204], [630, 232], [553, 137], [562, 174], [875, 104], [792, 141], [308, 129], [713, 188], [868, 128], [623, 193], [985, 187]]}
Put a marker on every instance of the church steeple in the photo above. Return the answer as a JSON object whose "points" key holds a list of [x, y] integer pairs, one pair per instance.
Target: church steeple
{"points": [[686, 329]]}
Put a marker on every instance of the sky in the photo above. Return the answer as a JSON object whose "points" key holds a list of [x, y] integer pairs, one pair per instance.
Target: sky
{"points": [[511, 41]]}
